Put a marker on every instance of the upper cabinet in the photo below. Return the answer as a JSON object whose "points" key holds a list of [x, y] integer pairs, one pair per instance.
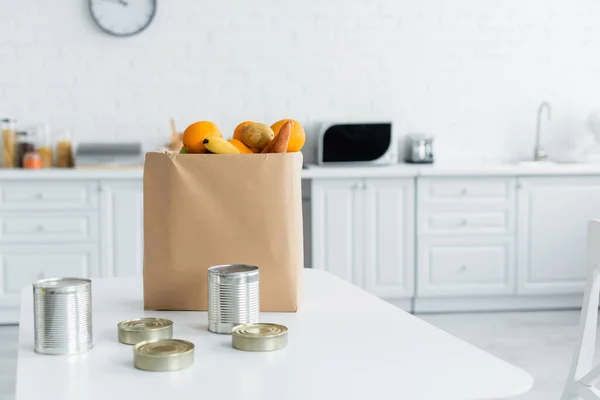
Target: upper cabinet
{"points": [[363, 231], [553, 213], [121, 227]]}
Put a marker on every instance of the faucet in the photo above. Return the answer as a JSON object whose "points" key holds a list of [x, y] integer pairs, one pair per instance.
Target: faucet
{"points": [[539, 153]]}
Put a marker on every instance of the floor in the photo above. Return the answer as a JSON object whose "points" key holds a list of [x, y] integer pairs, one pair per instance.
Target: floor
{"points": [[539, 342]]}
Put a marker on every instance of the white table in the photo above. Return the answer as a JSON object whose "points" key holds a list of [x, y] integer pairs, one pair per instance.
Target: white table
{"points": [[343, 344]]}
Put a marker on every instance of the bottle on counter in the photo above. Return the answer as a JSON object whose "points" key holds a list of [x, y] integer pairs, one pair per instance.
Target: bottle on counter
{"points": [[25, 144], [32, 160], [64, 150], [44, 147], [9, 132]]}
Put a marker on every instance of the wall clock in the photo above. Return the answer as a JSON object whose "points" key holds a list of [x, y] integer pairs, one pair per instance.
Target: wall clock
{"points": [[122, 17]]}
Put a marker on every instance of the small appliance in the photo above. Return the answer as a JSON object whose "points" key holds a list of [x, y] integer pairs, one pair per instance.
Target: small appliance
{"points": [[357, 143], [418, 149]]}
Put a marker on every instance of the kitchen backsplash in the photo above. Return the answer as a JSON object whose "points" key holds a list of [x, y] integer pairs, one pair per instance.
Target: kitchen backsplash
{"points": [[470, 73]]}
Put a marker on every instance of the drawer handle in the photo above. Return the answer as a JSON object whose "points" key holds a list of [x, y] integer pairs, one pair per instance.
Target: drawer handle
{"points": [[464, 222], [39, 228], [464, 192], [39, 196], [463, 268]]}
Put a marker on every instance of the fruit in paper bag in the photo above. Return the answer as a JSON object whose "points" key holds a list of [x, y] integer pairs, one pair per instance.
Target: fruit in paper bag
{"points": [[240, 146], [280, 143], [194, 135], [257, 135], [237, 132], [297, 136], [219, 145]]}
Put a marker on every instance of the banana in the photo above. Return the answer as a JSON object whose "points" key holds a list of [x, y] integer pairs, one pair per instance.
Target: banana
{"points": [[219, 145]]}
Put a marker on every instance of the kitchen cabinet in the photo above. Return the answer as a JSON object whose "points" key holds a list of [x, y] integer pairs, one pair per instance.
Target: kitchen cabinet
{"points": [[363, 231], [553, 213], [466, 236], [121, 215]]}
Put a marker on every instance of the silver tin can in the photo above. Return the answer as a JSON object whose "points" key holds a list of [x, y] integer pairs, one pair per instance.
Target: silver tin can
{"points": [[62, 310], [144, 329], [163, 355], [233, 296], [259, 337]]}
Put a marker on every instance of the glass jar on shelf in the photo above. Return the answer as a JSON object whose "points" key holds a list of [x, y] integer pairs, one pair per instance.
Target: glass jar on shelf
{"points": [[32, 160], [9, 133], [44, 146], [64, 150], [25, 144]]}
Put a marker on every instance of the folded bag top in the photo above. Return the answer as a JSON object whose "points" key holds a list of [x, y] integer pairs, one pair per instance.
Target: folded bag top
{"points": [[202, 210]]}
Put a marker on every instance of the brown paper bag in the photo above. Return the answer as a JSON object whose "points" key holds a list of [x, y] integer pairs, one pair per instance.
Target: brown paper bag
{"points": [[202, 210]]}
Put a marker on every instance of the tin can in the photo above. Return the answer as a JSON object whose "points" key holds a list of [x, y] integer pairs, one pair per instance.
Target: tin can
{"points": [[144, 329], [259, 337], [163, 355], [233, 296], [62, 310]]}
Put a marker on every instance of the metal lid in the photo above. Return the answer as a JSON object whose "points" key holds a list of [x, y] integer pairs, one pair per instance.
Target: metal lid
{"points": [[163, 355], [259, 337], [143, 329], [61, 285], [233, 273]]}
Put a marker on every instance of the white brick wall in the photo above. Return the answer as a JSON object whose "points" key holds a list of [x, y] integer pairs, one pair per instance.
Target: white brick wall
{"points": [[471, 72]]}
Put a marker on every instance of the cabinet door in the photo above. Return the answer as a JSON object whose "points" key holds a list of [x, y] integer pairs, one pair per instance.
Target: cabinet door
{"points": [[21, 265], [553, 213], [122, 228], [467, 265], [389, 237], [337, 227]]}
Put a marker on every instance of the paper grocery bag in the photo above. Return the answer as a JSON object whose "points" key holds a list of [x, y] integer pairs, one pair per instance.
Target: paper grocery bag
{"points": [[202, 210]]}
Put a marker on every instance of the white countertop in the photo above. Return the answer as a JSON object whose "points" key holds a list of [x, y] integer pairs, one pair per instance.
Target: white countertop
{"points": [[343, 344], [317, 172]]}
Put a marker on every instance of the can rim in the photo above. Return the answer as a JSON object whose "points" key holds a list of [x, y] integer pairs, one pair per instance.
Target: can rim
{"points": [[39, 284], [136, 348], [283, 330], [121, 325], [221, 270]]}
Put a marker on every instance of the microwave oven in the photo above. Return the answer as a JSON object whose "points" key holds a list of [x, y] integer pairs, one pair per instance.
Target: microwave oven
{"points": [[352, 143]]}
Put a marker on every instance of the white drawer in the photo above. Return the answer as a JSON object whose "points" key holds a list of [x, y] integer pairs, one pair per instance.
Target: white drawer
{"points": [[48, 227], [453, 190], [457, 222], [22, 265], [465, 266], [40, 195]]}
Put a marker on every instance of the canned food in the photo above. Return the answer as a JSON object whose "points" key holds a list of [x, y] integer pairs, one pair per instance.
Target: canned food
{"points": [[259, 337], [62, 310], [144, 329], [163, 355], [233, 296]]}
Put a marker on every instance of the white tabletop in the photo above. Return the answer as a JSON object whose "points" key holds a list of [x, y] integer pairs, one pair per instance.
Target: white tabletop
{"points": [[343, 344]]}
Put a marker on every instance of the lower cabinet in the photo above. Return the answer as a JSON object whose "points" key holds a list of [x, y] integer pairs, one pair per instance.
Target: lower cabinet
{"points": [[363, 231], [466, 266], [553, 214], [122, 228], [20, 265]]}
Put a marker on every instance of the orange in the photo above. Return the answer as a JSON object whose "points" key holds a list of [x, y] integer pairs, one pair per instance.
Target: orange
{"points": [[240, 146], [297, 138], [194, 135], [237, 132]]}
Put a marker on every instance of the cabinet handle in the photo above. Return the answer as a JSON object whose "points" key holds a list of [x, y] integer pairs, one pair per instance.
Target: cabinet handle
{"points": [[464, 222], [463, 268], [39, 228], [39, 196], [464, 192]]}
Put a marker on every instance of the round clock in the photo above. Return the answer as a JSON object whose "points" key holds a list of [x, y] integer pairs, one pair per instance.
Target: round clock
{"points": [[123, 17]]}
